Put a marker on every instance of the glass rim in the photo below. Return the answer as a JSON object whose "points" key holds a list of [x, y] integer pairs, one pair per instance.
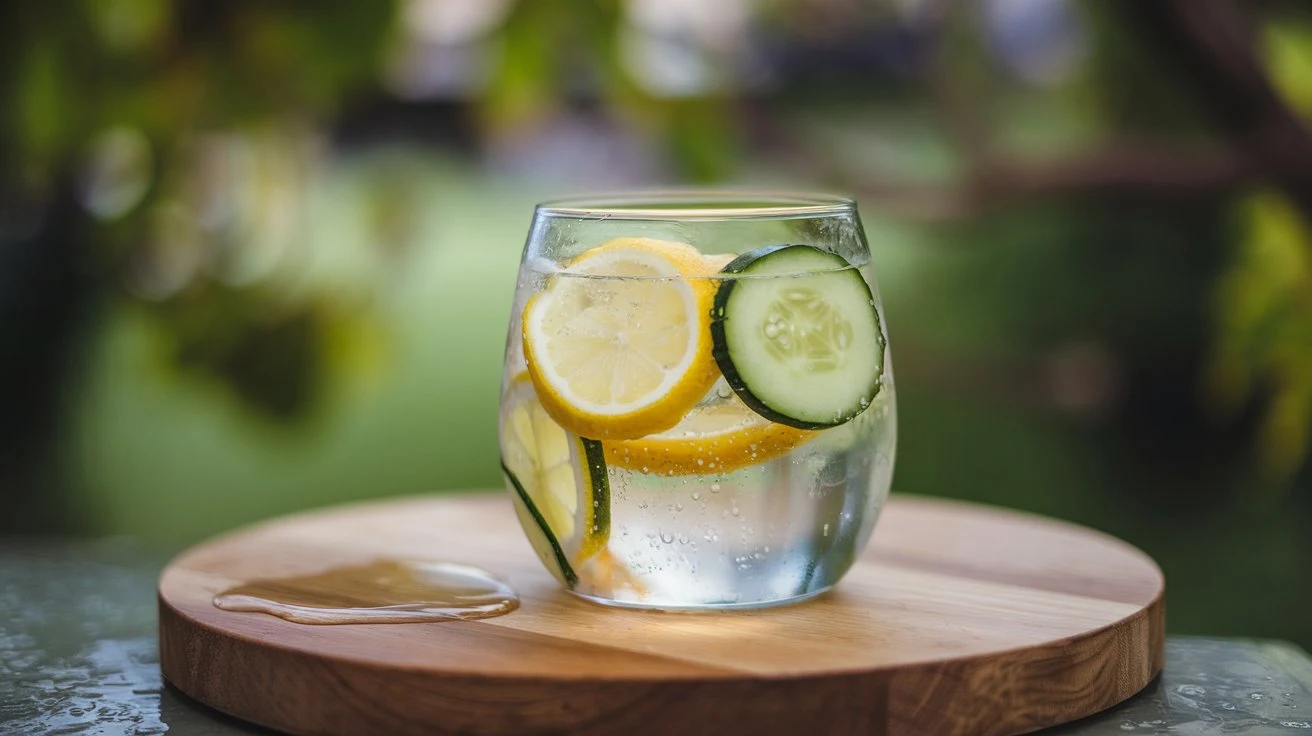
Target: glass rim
{"points": [[698, 204]]}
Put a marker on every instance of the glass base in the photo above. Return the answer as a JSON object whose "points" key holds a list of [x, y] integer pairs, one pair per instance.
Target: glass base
{"points": [[708, 607]]}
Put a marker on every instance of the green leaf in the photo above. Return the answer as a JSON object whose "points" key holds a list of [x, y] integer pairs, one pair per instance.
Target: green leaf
{"points": [[1264, 330]]}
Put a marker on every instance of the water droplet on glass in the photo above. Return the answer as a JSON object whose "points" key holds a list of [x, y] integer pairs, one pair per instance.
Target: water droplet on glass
{"points": [[667, 538], [715, 488], [678, 507], [696, 496], [734, 510]]}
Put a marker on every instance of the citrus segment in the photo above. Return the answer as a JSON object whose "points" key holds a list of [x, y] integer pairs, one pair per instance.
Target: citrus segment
{"points": [[618, 343], [561, 476], [715, 437]]}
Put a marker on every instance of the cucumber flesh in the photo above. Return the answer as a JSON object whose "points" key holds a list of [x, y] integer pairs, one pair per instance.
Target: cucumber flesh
{"points": [[797, 336]]}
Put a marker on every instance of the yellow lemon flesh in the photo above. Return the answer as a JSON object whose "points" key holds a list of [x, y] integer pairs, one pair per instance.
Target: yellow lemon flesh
{"points": [[717, 436], [562, 476], [618, 344]]}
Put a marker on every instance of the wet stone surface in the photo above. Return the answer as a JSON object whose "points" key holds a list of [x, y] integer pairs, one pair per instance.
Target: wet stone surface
{"points": [[77, 645], [1214, 687]]}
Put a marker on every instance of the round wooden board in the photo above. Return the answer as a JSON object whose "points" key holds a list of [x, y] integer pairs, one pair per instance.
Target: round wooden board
{"points": [[957, 619]]}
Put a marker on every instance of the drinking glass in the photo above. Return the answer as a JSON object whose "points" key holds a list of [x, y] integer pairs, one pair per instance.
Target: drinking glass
{"points": [[697, 405]]}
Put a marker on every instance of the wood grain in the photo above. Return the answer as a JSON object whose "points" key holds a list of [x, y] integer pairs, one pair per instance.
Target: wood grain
{"points": [[957, 619]]}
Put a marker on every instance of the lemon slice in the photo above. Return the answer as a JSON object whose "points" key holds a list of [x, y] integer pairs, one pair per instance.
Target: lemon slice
{"points": [[560, 479], [618, 344], [716, 436]]}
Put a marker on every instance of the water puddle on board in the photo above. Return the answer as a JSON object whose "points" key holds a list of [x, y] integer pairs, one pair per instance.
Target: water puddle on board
{"points": [[385, 591]]}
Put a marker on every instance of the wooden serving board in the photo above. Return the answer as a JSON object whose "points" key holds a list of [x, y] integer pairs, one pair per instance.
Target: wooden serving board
{"points": [[957, 619]]}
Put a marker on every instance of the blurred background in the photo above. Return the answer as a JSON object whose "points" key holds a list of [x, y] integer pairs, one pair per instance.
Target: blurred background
{"points": [[257, 256]]}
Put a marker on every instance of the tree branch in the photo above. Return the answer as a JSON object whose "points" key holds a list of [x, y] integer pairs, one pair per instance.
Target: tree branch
{"points": [[1133, 170], [1209, 42]]}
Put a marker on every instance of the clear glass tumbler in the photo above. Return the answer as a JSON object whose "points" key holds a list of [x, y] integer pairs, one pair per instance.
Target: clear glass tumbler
{"points": [[697, 408]]}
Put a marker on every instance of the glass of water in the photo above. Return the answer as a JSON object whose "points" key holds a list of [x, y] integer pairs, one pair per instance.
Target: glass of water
{"points": [[697, 406]]}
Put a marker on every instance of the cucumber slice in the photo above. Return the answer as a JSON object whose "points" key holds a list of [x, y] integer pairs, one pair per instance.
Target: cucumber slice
{"points": [[797, 336], [596, 536], [543, 541]]}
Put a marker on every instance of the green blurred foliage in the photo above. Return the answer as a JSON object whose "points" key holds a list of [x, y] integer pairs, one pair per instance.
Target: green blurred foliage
{"points": [[171, 75], [1264, 331], [1263, 346]]}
